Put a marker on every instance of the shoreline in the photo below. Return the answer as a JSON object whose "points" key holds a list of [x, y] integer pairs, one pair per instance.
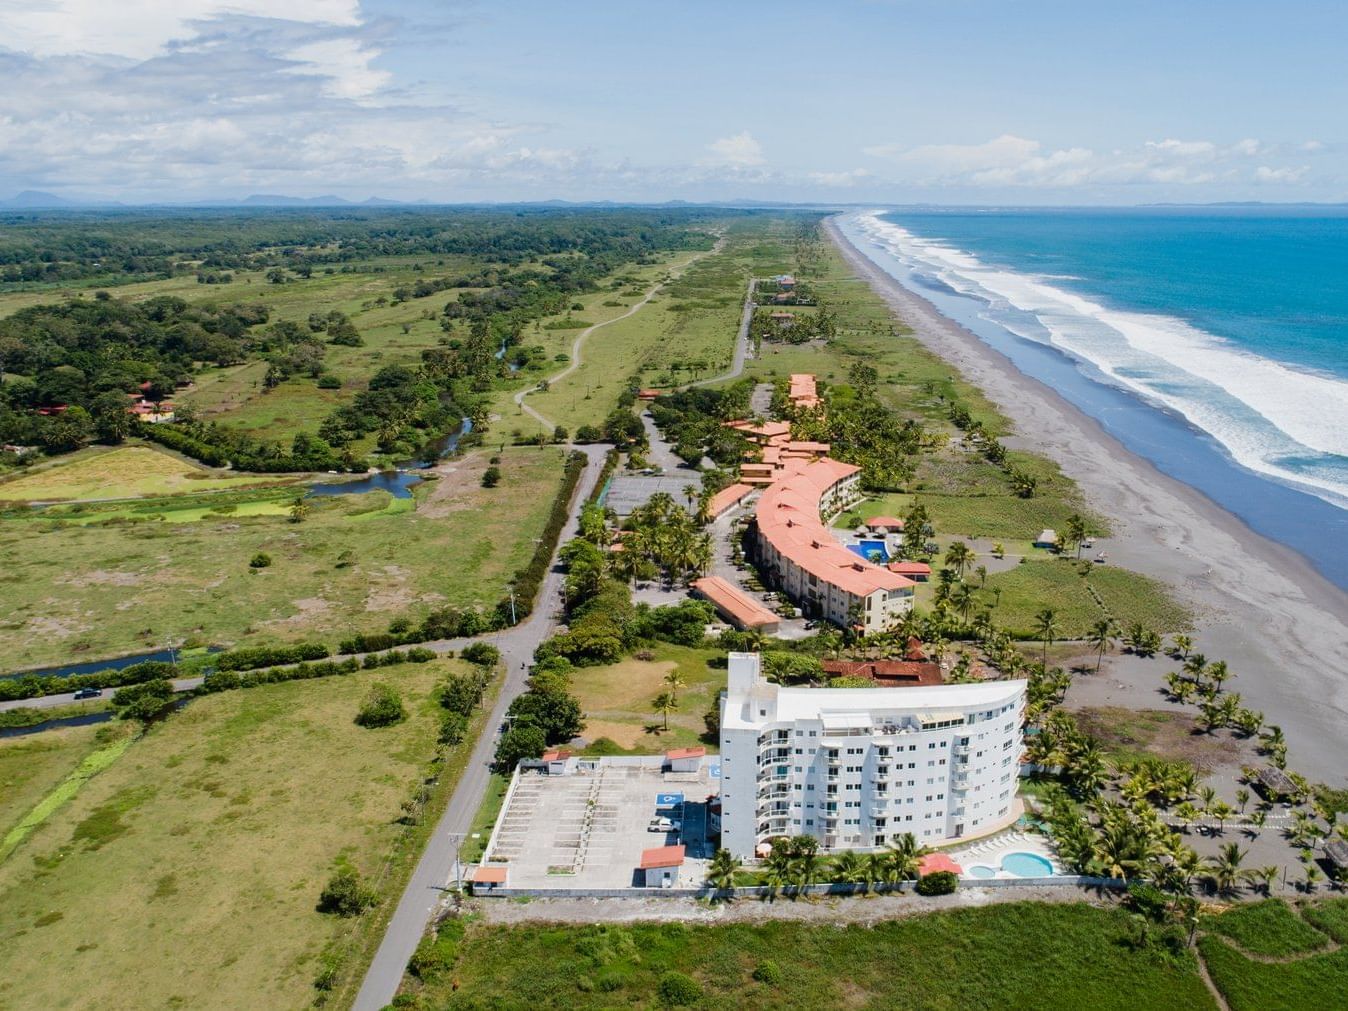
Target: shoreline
{"points": [[1259, 605]]}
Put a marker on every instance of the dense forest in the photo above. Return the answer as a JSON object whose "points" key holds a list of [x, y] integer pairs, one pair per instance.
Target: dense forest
{"points": [[114, 247], [69, 370]]}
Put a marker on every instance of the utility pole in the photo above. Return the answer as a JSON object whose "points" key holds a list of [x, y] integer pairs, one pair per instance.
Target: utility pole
{"points": [[513, 619]]}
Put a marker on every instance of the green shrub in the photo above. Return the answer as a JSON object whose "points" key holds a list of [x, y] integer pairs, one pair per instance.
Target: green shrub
{"points": [[484, 654], [769, 973], [345, 895], [937, 883], [261, 560], [678, 990], [382, 708]]}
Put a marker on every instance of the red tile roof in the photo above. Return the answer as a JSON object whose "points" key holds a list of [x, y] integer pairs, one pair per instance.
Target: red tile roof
{"points": [[681, 753], [490, 875], [890, 522], [557, 755], [662, 856], [910, 568], [742, 609], [727, 497], [890, 673], [788, 517]]}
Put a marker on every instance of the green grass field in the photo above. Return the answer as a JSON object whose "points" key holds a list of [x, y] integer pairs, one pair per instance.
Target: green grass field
{"points": [[1301, 978], [124, 472], [617, 699], [31, 766], [1002, 956], [90, 589], [693, 319], [186, 873], [1022, 592]]}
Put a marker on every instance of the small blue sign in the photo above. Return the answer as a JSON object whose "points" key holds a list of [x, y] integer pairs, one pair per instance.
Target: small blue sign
{"points": [[668, 799]]}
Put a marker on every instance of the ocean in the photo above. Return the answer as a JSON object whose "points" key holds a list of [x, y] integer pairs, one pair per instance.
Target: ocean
{"points": [[1214, 342]]}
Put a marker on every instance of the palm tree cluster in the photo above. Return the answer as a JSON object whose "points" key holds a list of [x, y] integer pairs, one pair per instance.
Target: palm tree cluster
{"points": [[795, 863], [662, 537], [1202, 681]]}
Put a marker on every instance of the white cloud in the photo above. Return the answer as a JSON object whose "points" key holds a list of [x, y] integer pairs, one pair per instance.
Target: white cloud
{"points": [[852, 177], [738, 151], [1286, 174], [1011, 161]]}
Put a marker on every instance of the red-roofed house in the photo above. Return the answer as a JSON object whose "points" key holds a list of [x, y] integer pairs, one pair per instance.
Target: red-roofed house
{"points": [[728, 497], [648, 394], [488, 879], [887, 673], [918, 572], [685, 759], [660, 866], [885, 524], [737, 607], [557, 761]]}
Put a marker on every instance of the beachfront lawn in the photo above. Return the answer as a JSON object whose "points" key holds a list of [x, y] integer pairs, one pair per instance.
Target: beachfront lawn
{"points": [[1020, 593], [1305, 979], [1270, 928], [74, 592], [617, 699], [188, 871], [125, 472], [30, 767], [1022, 955]]}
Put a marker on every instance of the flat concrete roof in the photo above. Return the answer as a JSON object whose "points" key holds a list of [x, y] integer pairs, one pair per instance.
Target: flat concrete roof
{"points": [[627, 492]]}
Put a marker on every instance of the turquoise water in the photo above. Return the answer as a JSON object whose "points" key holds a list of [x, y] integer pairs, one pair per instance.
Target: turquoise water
{"points": [[868, 548], [1027, 865], [1212, 342], [981, 871]]}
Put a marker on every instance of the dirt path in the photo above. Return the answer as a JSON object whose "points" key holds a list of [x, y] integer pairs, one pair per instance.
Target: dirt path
{"points": [[578, 343]]}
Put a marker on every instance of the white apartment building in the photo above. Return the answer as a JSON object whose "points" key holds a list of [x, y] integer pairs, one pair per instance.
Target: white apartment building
{"points": [[857, 767]]}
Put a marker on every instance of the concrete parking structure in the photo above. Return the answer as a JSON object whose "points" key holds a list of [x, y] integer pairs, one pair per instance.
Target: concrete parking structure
{"points": [[589, 826]]}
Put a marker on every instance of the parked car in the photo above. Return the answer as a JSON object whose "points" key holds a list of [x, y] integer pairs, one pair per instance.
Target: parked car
{"points": [[88, 693], [664, 825]]}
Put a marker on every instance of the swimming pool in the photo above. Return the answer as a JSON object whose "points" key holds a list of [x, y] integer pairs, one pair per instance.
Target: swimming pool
{"points": [[1027, 865], [868, 548], [981, 871]]}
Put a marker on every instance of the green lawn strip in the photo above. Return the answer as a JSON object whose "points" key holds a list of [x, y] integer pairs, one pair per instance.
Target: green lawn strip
{"points": [[87, 769], [1331, 916], [1315, 981], [485, 819], [1020, 955], [1270, 927], [1019, 594]]}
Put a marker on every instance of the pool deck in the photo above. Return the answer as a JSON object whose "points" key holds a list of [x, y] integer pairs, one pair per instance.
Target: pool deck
{"points": [[990, 853]]}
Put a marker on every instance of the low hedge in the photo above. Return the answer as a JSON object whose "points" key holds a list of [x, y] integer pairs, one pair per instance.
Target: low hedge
{"points": [[34, 686], [227, 680], [529, 579], [254, 657]]}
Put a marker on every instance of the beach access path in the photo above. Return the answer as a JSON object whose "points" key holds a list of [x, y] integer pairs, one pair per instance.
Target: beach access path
{"points": [[1260, 606]]}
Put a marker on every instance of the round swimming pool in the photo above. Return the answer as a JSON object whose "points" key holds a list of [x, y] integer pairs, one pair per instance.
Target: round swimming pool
{"points": [[1027, 865], [981, 871]]}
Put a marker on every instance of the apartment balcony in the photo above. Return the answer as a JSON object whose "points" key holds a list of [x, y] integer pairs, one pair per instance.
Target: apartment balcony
{"points": [[962, 751], [960, 781]]}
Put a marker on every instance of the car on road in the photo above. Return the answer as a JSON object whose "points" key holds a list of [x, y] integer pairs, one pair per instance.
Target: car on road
{"points": [[88, 693], [664, 825]]}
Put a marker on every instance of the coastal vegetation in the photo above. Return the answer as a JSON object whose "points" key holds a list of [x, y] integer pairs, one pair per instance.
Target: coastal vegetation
{"points": [[1080, 956]]}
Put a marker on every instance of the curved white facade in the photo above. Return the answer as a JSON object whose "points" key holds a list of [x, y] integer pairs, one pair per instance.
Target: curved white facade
{"points": [[856, 767]]}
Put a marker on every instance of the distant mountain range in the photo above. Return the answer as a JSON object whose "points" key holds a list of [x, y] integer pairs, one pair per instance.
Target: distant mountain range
{"points": [[37, 200]]}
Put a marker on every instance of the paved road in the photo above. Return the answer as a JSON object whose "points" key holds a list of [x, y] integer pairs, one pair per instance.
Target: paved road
{"points": [[433, 872], [66, 698], [741, 343]]}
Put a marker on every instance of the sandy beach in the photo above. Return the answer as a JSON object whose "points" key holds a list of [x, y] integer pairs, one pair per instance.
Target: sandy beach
{"points": [[1280, 625]]}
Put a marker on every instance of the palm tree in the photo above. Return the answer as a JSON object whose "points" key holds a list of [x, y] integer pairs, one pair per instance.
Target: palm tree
{"points": [[981, 572], [1242, 798], [848, 867], [1187, 813], [721, 871], [1218, 673], [1224, 868], [1102, 637], [665, 703], [690, 493], [674, 681], [1257, 818], [1077, 532], [962, 597], [903, 857], [1046, 625], [1266, 875], [875, 868], [959, 556], [1182, 645], [1221, 811]]}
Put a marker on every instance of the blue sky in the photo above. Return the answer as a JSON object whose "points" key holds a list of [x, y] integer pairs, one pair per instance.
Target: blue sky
{"points": [[959, 101]]}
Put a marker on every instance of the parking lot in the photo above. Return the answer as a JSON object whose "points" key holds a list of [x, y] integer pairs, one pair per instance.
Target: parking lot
{"points": [[589, 827]]}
